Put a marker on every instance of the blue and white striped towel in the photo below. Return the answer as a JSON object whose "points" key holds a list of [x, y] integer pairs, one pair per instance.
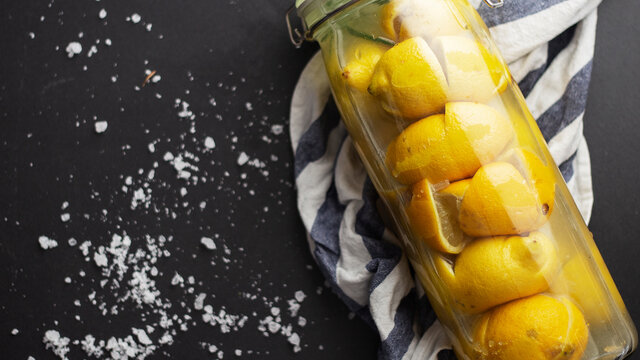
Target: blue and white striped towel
{"points": [[549, 47]]}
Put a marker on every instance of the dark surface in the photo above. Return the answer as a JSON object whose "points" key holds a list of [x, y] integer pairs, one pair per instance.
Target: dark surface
{"points": [[239, 44]]}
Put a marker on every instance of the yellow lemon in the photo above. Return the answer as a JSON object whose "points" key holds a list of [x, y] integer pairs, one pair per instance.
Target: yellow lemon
{"points": [[537, 174], [403, 19], [499, 201], [434, 216], [448, 147], [409, 81], [538, 327], [492, 271], [357, 73], [472, 73]]}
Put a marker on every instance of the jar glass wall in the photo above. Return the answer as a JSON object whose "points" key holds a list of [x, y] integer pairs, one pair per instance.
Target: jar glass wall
{"points": [[472, 191]]}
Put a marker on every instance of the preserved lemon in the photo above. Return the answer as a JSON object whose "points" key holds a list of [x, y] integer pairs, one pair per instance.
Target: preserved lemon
{"points": [[538, 327], [491, 271], [434, 216], [357, 73], [409, 81], [448, 147], [499, 201]]}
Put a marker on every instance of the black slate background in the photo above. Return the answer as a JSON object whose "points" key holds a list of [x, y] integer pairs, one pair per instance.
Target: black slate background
{"points": [[43, 93]]}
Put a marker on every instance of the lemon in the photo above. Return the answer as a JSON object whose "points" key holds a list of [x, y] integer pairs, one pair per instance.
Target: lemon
{"points": [[537, 174], [448, 147], [472, 73], [403, 19], [494, 270], [434, 216], [499, 201], [357, 73], [409, 81], [538, 327]]}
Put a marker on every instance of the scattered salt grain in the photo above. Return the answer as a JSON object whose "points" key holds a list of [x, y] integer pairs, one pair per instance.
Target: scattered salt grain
{"points": [[47, 243], [15, 332], [102, 14], [243, 158], [135, 18], [277, 129], [101, 126], [198, 304], [64, 205], [209, 143], [302, 321], [300, 295], [73, 48], [208, 243], [238, 352], [248, 106], [65, 217], [142, 336], [92, 50], [294, 340], [177, 279], [58, 344]]}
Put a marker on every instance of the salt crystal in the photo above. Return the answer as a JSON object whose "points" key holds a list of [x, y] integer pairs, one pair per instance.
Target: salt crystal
{"points": [[101, 126], [238, 352], [67, 280], [64, 205], [299, 295], [302, 321], [199, 302], [277, 129], [142, 336], [209, 143], [177, 279], [92, 50], [135, 18], [47, 243], [248, 106], [15, 332], [73, 48], [58, 344], [102, 14], [243, 158], [100, 258], [107, 42], [208, 243], [32, 35], [65, 217]]}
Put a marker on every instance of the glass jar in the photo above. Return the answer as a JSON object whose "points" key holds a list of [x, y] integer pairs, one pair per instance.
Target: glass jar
{"points": [[482, 210]]}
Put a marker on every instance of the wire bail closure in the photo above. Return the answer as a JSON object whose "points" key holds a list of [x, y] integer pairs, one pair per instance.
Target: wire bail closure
{"points": [[298, 37]]}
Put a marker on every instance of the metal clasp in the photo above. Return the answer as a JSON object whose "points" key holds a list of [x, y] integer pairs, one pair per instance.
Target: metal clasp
{"points": [[494, 3], [296, 37]]}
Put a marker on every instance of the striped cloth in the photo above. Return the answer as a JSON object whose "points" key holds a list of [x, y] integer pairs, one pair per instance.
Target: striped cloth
{"points": [[549, 47]]}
